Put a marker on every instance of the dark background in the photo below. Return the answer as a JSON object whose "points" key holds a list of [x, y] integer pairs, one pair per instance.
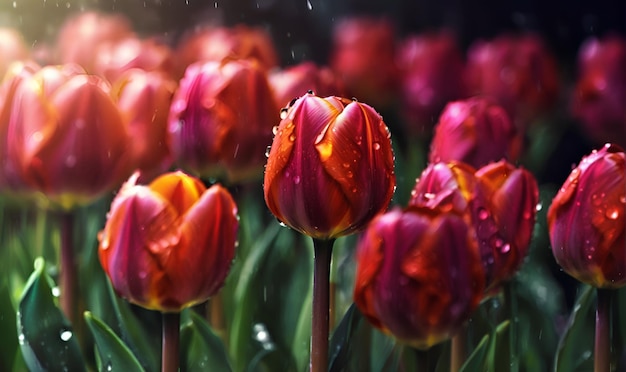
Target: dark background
{"points": [[306, 30]]}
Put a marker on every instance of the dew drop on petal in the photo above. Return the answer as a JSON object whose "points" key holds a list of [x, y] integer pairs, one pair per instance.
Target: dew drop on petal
{"points": [[283, 114], [612, 213], [483, 214], [376, 146], [296, 179], [505, 248], [70, 161], [292, 137], [275, 129], [623, 199]]}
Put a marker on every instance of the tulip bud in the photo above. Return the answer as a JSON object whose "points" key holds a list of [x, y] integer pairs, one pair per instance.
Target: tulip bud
{"points": [[219, 43], [81, 36], [363, 57], [518, 71], [445, 186], [144, 100], [466, 126], [293, 82], [586, 220], [330, 168], [601, 89], [169, 245], [66, 135], [221, 120], [504, 208], [431, 75], [418, 275]]}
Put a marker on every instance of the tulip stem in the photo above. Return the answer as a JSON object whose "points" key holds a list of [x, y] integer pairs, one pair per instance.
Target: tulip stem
{"points": [[458, 351], [321, 276], [602, 353], [510, 301], [68, 280], [171, 342]]}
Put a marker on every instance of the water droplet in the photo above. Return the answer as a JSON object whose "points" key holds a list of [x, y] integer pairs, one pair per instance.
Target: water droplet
{"points": [[354, 190], [623, 199], [346, 165], [539, 206], [296, 179], [483, 214], [292, 137], [143, 274], [36, 137], [66, 335], [283, 114], [56, 291], [275, 129], [70, 161], [21, 338], [281, 223], [349, 174], [376, 146], [267, 151], [505, 248], [612, 213], [429, 196]]}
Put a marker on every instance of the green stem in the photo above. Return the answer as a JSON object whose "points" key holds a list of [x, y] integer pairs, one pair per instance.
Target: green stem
{"points": [[511, 304], [458, 352], [602, 353], [170, 347], [319, 333], [68, 278]]}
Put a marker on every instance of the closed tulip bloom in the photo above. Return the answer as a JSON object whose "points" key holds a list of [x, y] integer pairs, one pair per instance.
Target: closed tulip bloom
{"points": [[169, 245], [419, 276], [445, 186], [330, 168], [600, 92], [431, 75], [67, 135], [144, 100], [504, 209], [295, 81], [586, 220], [221, 120], [466, 127]]}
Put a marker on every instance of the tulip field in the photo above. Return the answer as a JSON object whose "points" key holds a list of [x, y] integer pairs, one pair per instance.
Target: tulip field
{"points": [[200, 200]]}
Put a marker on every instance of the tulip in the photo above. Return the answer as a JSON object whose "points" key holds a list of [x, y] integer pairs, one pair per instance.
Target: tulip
{"points": [[114, 58], [466, 126], [600, 93], [219, 43], [81, 35], [363, 57], [586, 220], [221, 120], [504, 210], [295, 81], [518, 71], [419, 276], [66, 135], [431, 75], [144, 100], [12, 48], [330, 168]]}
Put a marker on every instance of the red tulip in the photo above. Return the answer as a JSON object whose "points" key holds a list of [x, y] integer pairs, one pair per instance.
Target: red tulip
{"points": [[363, 57], [295, 81], [601, 90], [504, 208], [431, 75], [418, 275], [66, 135], [81, 35], [116, 57], [518, 71], [586, 220], [216, 44], [12, 48], [169, 245], [221, 120], [144, 100], [475, 131], [330, 168]]}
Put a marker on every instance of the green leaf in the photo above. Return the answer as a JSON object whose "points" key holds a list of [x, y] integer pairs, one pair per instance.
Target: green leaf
{"points": [[201, 349], [339, 348], [112, 352], [477, 358], [485, 356], [575, 347], [44, 334]]}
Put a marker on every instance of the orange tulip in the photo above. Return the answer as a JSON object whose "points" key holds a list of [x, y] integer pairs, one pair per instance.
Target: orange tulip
{"points": [[587, 220], [169, 245], [221, 120], [418, 275], [65, 135], [330, 168]]}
